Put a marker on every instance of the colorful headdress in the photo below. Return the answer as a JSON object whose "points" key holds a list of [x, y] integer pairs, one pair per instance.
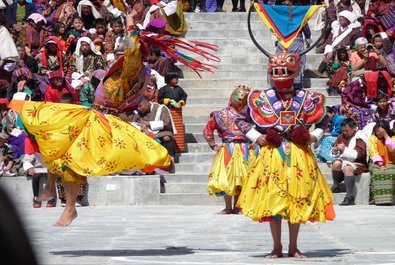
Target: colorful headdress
{"points": [[238, 98]]}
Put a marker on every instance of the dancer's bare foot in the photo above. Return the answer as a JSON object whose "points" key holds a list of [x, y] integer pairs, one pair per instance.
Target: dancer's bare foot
{"points": [[296, 254], [225, 211], [275, 254], [236, 211], [66, 218]]}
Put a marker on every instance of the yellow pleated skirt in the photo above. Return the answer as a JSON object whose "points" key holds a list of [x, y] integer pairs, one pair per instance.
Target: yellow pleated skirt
{"points": [[229, 169], [286, 185], [77, 141]]}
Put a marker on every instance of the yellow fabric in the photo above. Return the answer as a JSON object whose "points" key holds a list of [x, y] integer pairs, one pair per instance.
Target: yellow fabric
{"points": [[298, 192], [182, 102], [166, 101], [374, 149], [176, 23], [230, 178], [74, 140]]}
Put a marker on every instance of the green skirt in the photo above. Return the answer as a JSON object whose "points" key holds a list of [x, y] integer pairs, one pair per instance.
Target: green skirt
{"points": [[383, 184]]}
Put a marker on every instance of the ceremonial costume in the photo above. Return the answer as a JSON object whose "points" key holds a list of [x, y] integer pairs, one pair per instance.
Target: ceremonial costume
{"points": [[230, 167], [284, 181], [76, 141]]}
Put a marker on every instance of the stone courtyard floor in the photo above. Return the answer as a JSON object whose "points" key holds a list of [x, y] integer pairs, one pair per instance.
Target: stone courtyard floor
{"points": [[179, 235]]}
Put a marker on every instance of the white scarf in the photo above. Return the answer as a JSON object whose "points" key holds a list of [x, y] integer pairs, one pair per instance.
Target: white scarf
{"points": [[79, 57], [88, 3], [7, 47]]}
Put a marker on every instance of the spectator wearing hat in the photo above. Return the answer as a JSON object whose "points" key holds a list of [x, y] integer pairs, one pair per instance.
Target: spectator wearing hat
{"points": [[33, 34], [86, 58], [51, 58], [59, 86], [21, 82], [87, 11], [19, 11], [6, 157]]}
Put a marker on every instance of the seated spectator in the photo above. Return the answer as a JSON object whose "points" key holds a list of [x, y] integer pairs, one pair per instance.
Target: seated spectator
{"points": [[3, 112], [155, 119], [8, 57], [63, 12], [87, 11], [34, 169], [382, 168], [369, 29], [87, 93], [117, 30], [26, 60], [86, 58], [379, 8], [77, 30], [160, 63], [19, 11], [33, 34], [7, 157], [350, 155], [59, 31], [21, 82], [338, 68], [385, 109], [357, 97], [330, 135], [58, 86], [365, 58], [345, 30], [391, 61], [382, 46], [100, 27], [51, 57]]}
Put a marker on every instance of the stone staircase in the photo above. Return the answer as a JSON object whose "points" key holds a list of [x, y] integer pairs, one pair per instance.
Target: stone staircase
{"points": [[241, 63]]}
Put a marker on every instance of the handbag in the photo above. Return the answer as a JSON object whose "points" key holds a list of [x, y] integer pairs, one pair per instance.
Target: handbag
{"points": [[387, 20]]}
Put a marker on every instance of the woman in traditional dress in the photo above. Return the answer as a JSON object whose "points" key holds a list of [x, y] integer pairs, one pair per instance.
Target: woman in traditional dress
{"points": [[230, 166], [75, 141], [382, 168]]}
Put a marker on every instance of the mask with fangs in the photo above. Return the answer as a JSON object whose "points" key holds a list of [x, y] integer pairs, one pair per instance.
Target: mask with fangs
{"points": [[283, 68]]}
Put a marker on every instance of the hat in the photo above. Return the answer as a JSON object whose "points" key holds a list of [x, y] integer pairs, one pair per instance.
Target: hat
{"points": [[4, 136], [350, 16], [23, 71], [36, 17], [57, 73], [158, 23], [76, 75]]}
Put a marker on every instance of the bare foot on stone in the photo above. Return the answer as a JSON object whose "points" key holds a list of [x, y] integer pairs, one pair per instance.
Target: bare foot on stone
{"points": [[297, 254], [275, 254], [66, 218], [46, 195], [225, 211]]}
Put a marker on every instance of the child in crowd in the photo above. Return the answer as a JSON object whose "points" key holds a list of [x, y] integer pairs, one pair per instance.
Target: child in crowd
{"points": [[339, 69], [59, 86], [117, 31], [75, 33]]}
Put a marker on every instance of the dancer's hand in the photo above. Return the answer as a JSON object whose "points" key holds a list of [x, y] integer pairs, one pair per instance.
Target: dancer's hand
{"points": [[261, 140], [130, 18], [217, 147]]}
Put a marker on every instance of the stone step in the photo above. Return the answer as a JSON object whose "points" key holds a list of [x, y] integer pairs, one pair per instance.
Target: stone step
{"points": [[189, 199], [198, 148], [205, 109], [256, 83], [197, 138]]}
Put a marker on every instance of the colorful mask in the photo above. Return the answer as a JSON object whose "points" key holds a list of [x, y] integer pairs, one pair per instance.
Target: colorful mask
{"points": [[238, 96], [283, 68]]}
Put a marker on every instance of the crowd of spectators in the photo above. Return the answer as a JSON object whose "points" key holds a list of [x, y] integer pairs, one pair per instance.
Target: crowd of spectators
{"points": [[59, 50]]}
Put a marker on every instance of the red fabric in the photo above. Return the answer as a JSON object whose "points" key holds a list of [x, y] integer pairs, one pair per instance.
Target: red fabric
{"points": [[371, 79], [44, 57], [4, 101], [31, 146], [29, 34], [300, 136], [53, 95], [273, 138]]}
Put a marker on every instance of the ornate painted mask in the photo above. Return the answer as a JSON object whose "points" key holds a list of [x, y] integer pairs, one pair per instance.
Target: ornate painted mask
{"points": [[238, 96], [283, 68]]}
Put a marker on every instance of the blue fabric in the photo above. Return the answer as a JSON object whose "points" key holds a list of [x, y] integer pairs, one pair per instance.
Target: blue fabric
{"points": [[280, 14], [335, 128], [323, 152]]}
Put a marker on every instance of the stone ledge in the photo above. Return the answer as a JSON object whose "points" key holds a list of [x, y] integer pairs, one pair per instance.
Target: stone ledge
{"points": [[362, 189], [117, 190]]}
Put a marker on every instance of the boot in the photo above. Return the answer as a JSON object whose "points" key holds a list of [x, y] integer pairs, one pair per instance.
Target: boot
{"points": [[337, 177], [347, 201]]}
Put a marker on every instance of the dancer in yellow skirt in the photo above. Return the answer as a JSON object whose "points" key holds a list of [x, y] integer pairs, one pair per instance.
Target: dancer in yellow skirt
{"points": [[284, 182], [229, 169], [76, 142]]}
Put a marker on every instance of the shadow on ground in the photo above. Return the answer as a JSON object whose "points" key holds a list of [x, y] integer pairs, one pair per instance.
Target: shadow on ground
{"points": [[322, 253], [168, 251]]}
